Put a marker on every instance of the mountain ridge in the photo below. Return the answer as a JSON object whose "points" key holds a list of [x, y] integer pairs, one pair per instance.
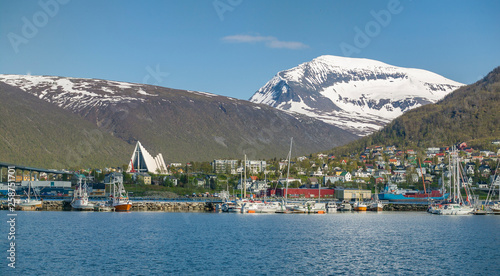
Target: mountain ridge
{"points": [[182, 125]]}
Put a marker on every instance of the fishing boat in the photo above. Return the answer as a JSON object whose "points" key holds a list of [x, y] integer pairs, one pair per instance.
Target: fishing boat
{"points": [[119, 198], [375, 204], [80, 200], [30, 204], [359, 206]]}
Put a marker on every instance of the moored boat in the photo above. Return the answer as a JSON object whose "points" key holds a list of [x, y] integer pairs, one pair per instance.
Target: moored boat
{"points": [[345, 206], [376, 206], [495, 208], [331, 207], [392, 193], [455, 209], [360, 206], [104, 207], [457, 205], [119, 199], [80, 200], [30, 204], [310, 207], [260, 207]]}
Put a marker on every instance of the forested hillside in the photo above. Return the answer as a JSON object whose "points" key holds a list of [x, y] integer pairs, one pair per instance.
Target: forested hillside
{"points": [[470, 114]]}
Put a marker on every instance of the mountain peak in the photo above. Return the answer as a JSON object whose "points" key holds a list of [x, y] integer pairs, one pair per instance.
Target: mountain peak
{"points": [[347, 62], [357, 94]]}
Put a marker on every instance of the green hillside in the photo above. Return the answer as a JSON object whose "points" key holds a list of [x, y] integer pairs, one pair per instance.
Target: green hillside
{"points": [[37, 133], [470, 114]]}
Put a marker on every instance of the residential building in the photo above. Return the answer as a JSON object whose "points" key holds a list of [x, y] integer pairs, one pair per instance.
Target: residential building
{"points": [[114, 176], [172, 179], [225, 166], [144, 177], [255, 166]]}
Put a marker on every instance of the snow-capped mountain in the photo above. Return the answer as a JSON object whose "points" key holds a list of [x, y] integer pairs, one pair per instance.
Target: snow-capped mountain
{"points": [[76, 94], [183, 125], [355, 94]]}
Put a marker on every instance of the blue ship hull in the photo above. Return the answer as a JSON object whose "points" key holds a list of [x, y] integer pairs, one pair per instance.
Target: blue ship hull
{"points": [[400, 197]]}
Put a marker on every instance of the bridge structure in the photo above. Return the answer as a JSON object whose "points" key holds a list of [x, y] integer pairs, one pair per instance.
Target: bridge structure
{"points": [[24, 173]]}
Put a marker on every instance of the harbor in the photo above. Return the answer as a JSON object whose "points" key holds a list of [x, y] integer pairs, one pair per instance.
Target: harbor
{"points": [[173, 205]]}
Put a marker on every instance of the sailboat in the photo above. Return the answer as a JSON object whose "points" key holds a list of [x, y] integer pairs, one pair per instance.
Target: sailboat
{"points": [[119, 198], [284, 209], [456, 206], [30, 204], [80, 200], [495, 207]]}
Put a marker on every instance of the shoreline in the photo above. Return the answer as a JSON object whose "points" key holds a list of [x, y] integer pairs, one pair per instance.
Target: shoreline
{"points": [[172, 206]]}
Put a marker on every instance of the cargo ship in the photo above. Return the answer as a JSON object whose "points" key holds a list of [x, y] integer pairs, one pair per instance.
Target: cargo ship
{"points": [[392, 193]]}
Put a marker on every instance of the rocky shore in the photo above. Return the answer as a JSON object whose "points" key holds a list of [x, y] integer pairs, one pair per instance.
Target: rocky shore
{"points": [[405, 207], [62, 205]]}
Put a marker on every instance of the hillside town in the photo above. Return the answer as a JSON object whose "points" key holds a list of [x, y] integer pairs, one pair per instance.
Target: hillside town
{"points": [[325, 175]]}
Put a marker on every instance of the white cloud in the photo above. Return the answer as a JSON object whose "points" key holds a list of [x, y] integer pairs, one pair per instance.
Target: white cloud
{"points": [[270, 41]]}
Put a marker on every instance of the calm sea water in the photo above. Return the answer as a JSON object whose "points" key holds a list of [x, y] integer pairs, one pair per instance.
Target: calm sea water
{"points": [[158, 243]]}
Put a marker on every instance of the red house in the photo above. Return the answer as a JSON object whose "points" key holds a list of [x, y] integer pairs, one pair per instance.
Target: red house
{"points": [[301, 192]]}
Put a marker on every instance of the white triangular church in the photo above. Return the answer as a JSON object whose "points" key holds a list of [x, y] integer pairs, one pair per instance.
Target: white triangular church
{"points": [[142, 161]]}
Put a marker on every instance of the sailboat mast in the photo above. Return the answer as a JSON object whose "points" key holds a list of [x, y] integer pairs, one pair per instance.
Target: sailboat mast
{"points": [[288, 172], [245, 172], [319, 192], [423, 181]]}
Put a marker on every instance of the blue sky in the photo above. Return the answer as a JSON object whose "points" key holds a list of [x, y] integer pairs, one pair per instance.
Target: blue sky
{"points": [[233, 47]]}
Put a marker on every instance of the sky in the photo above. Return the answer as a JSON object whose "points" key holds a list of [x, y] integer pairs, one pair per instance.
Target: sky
{"points": [[233, 47]]}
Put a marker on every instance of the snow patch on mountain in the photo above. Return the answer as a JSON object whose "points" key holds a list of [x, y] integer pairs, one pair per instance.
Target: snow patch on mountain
{"points": [[78, 94]]}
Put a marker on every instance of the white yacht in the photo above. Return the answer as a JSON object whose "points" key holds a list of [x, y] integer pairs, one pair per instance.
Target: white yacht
{"points": [[331, 207], [455, 209], [310, 207], [260, 207]]}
